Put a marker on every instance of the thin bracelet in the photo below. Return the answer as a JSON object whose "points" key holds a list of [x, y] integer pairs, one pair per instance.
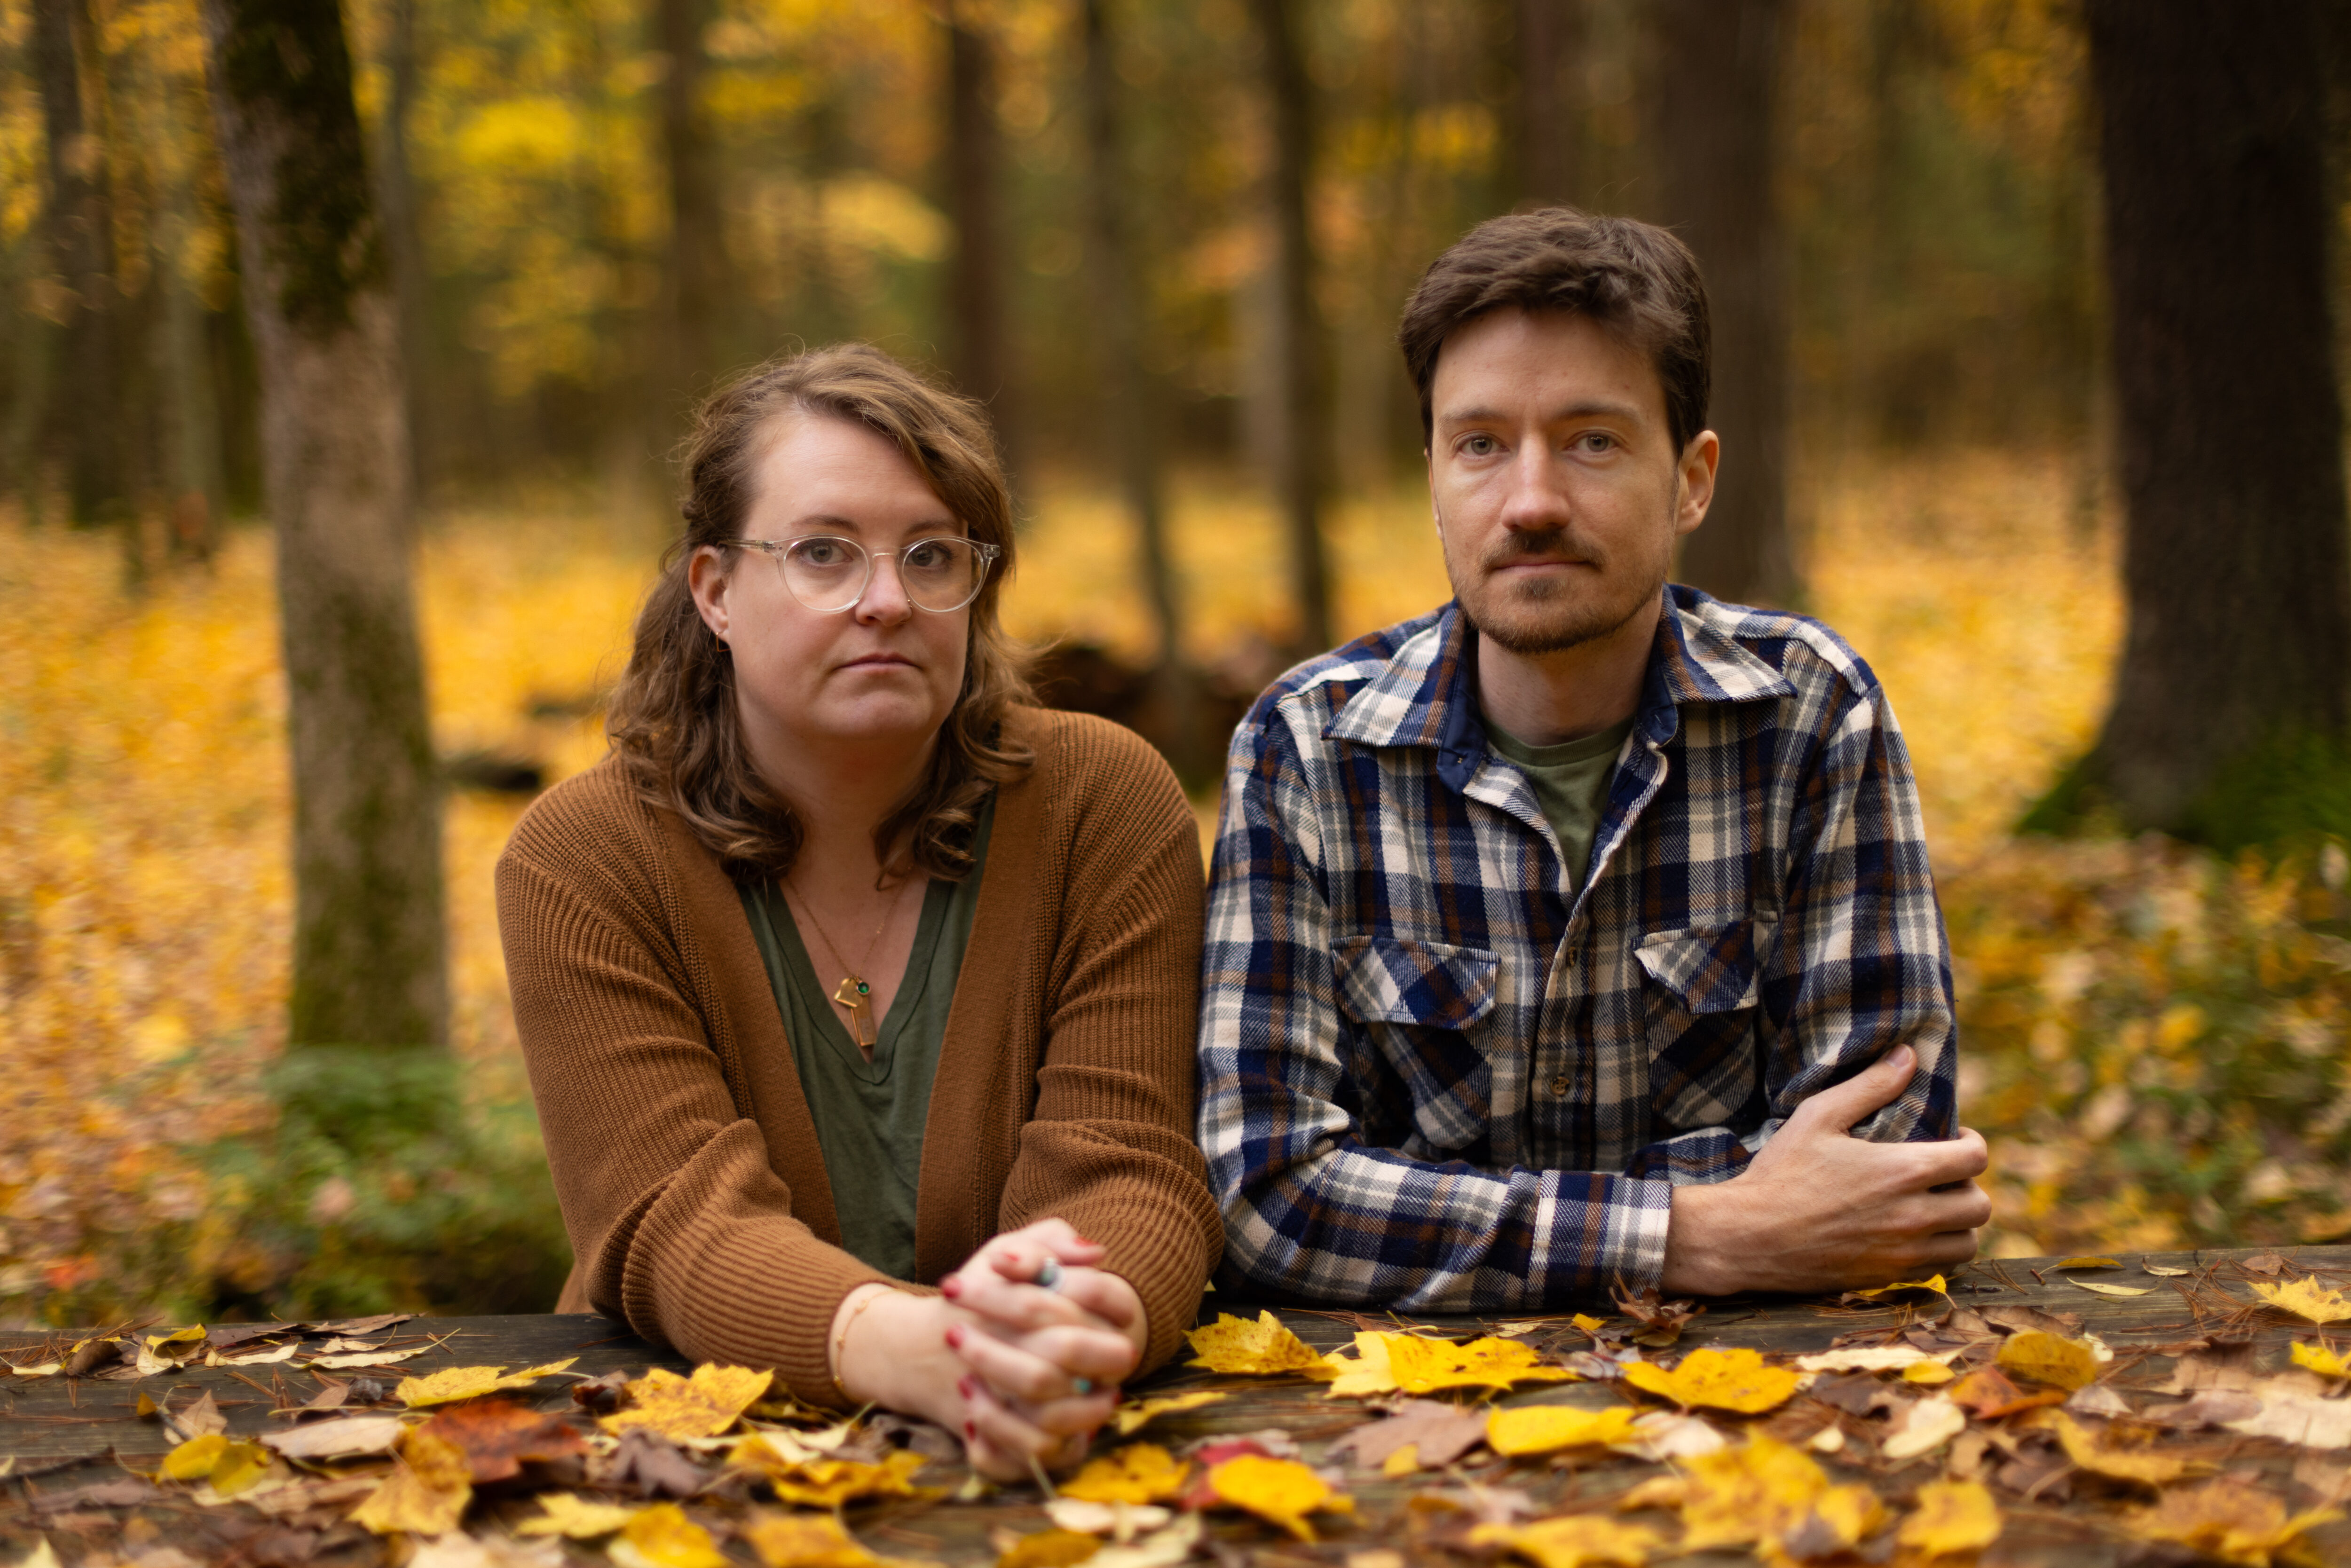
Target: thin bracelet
{"points": [[840, 1341]]}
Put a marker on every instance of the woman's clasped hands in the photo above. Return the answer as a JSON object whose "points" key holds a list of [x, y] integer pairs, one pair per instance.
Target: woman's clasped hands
{"points": [[1022, 1352]]}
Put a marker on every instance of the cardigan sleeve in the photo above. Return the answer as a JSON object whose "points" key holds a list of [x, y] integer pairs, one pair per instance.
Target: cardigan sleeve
{"points": [[1110, 1147], [681, 1228]]}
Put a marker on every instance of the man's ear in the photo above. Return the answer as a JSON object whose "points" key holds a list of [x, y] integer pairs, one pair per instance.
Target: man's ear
{"points": [[1694, 484]]}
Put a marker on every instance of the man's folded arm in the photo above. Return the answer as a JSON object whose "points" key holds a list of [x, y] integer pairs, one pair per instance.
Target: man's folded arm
{"points": [[1311, 1211]]}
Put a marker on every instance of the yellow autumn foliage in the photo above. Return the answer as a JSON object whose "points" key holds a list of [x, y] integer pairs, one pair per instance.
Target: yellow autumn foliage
{"points": [[1737, 1380], [1542, 1428], [702, 1406], [2045, 1358], [1139, 1472], [1953, 1519], [455, 1382], [1577, 1541], [2228, 1520], [426, 1492], [1281, 1491], [1264, 1348], [2305, 1299]]}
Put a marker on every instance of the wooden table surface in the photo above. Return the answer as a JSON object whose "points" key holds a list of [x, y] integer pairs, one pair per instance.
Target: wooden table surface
{"points": [[59, 1435]]}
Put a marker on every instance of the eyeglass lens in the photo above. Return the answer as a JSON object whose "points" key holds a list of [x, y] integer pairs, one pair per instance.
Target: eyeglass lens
{"points": [[938, 575]]}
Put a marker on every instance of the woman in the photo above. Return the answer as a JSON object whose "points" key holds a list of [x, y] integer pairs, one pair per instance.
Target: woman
{"points": [[856, 991]]}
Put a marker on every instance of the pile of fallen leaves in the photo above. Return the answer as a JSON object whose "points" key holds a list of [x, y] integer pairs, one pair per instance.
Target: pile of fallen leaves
{"points": [[1913, 1440]]}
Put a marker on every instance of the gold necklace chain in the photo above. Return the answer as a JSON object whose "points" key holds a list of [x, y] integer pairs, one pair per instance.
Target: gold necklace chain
{"points": [[854, 994]]}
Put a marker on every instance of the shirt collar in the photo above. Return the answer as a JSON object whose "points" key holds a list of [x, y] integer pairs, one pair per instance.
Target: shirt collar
{"points": [[1424, 696]]}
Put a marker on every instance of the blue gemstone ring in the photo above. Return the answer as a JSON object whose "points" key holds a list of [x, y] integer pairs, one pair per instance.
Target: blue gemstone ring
{"points": [[1081, 1387], [1048, 1275]]}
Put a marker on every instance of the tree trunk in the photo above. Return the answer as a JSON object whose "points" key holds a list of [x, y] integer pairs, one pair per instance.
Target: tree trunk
{"points": [[1550, 100], [1718, 161], [86, 412], [1130, 420], [697, 247], [193, 484], [1302, 480], [367, 936], [2236, 561], [978, 351], [395, 191]]}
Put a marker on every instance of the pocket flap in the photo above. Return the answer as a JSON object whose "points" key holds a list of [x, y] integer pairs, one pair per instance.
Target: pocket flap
{"points": [[1384, 979], [1711, 968]]}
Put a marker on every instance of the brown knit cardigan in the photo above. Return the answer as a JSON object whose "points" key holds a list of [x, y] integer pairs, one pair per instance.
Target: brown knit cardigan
{"points": [[684, 1152]]}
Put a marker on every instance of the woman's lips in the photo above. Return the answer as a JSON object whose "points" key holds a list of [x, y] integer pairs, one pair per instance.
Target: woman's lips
{"points": [[880, 662]]}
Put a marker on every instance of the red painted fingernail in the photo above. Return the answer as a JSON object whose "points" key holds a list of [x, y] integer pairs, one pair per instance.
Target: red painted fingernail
{"points": [[970, 1430], [1087, 1242], [950, 1287], [955, 1336], [966, 1386]]}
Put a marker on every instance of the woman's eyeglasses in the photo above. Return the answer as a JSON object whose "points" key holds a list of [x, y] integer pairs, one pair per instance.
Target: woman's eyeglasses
{"points": [[830, 574]]}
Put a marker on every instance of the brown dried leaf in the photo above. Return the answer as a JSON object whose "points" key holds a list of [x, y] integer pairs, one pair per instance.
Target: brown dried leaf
{"points": [[1438, 1433], [499, 1436], [2227, 1519]]}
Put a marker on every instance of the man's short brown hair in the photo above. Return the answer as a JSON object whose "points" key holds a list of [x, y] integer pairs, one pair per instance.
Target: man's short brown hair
{"points": [[1633, 278]]}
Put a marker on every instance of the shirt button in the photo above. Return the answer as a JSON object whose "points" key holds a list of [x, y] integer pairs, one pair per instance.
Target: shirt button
{"points": [[1559, 1086]]}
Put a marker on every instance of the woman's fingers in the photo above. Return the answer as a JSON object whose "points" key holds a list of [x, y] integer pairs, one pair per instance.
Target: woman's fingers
{"points": [[1052, 1363], [1014, 1434], [1022, 1308], [1021, 1255]]}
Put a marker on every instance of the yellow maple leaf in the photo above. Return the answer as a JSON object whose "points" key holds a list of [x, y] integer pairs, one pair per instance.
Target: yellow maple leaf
{"points": [[1577, 1541], [2046, 1359], [1953, 1518], [829, 1483], [1935, 1284], [1282, 1492], [1050, 1549], [426, 1494], [703, 1405], [2227, 1519], [662, 1537], [1263, 1348], [1736, 1380], [1411, 1363], [569, 1515], [193, 1459], [457, 1383], [2083, 1447], [2322, 1360], [1139, 1472], [1540, 1428], [2303, 1298], [1365, 1372], [1133, 1416], [805, 1541], [1840, 1519], [1737, 1496], [240, 1467]]}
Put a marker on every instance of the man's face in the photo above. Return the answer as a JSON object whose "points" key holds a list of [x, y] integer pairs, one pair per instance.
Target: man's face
{"points": [[1558, 490]]}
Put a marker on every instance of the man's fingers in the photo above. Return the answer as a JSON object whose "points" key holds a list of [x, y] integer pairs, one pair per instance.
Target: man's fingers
{"points": [[1949, 1160], [1839, 1106]]}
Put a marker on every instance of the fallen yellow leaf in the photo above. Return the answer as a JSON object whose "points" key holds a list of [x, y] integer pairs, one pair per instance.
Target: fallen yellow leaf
{"points": [[426, 1494], [1737, 1380], [1139, 1472], [2319, 1359], [193, 1459], [1263, 1348], [1282, 1491], [239, 1466], [2089, 1263], [468, 1382], [829, 1483], [1540, 1428], [1953, 1518], [662, 1537], [1736, 1497], [2085, 1448], [1134, 1415], [1840, 1519], [703, 1405], [1935, 1284], [1411, 1364], [1048, 1549], [2303, 1298], [1587, 1322], [2227, 1519], [1577, 1541], [1929, 1372], [805, 1541], [574, 1517], [2046, 1359]]}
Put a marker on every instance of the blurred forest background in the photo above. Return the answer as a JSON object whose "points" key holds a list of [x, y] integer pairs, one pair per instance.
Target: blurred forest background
{"points": [[1167, 242]]}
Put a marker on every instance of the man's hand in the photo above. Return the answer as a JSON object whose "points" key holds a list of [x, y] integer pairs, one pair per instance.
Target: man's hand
{"points": [[1820, 1209]]}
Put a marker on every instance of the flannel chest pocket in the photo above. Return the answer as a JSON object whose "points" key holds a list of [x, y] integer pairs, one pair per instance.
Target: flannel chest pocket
{"points": [[1421, 1007], [1699, 1019]]}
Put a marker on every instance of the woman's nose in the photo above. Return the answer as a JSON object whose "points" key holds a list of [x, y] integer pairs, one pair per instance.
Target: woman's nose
{"points": [[884, 601]]}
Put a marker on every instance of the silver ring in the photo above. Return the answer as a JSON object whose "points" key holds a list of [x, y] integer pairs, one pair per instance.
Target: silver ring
{"points": [[1048, 1275], [1081, 1387]]}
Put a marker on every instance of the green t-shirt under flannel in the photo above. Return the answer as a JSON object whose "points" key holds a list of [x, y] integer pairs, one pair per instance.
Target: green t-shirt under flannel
{"points": [[868, 1115], [1570, 786]]}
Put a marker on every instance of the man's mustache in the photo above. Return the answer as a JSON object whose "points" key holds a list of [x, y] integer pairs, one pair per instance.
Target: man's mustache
{"points": [[1518, 549]]}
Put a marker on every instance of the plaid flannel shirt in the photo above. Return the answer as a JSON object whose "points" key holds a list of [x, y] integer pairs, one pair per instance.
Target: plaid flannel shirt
{"points": [[1434, 1077]]}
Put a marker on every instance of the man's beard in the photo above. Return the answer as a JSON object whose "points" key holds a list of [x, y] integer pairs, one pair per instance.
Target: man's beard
{"points": [[1547, 616]]}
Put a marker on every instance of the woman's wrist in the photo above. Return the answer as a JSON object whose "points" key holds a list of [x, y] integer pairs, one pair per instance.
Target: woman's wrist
{"points": [[852, 1370]]}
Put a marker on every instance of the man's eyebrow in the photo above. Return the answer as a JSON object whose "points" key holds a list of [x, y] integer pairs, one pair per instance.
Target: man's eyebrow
{"points": [[1479, 414]]}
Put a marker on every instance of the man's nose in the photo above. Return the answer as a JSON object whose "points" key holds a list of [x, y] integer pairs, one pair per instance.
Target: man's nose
{"points": [[1537, 502]]}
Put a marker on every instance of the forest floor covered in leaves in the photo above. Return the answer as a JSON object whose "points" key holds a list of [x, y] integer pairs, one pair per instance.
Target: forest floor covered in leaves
{"points": [[2155, 1036]]}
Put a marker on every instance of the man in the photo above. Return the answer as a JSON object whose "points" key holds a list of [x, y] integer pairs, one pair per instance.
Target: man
{"points": [[1580, 931]]}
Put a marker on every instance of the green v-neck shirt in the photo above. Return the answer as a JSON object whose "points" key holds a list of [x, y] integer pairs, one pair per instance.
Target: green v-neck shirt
{"points": [[869, 1115]]}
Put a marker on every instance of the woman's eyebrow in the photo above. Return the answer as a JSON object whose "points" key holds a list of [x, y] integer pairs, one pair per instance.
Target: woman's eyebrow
{"points": [[828, 522]]}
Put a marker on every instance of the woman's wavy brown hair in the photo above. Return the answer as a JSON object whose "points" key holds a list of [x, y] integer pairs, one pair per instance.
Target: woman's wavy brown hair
{"points": [[673, 717]]}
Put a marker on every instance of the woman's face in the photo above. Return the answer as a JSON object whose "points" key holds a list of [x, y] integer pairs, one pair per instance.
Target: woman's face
{"points": [[880, 673]]}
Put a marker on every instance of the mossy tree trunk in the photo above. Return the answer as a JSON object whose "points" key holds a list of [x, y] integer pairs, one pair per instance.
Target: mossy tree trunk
{"points": [[2236, 561], [1302, 475], [1718, 163], [1548, 56], [980, 346], [368, 944], [697, 269]]}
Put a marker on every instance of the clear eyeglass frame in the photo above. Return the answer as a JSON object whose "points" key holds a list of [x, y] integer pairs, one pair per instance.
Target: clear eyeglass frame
{"points": [[780, 551]]}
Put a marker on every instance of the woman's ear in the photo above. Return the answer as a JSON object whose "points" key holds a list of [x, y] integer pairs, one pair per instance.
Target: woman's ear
{"points": [[707, 578]]}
